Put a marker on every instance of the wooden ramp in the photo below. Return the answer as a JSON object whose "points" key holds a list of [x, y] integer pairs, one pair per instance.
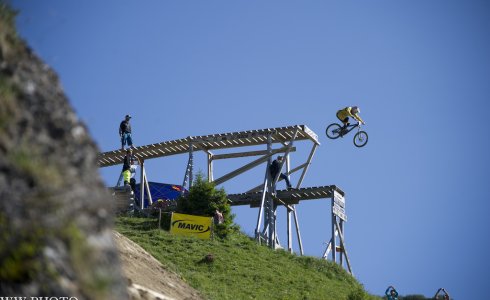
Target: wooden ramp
{"points": [[212, 142], [285, 197]]}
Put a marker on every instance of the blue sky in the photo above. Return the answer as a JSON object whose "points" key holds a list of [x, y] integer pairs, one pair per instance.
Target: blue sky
{"points": [[417, 195]]}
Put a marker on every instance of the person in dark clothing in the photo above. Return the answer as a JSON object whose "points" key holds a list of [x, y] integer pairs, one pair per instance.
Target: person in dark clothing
{"points": [[127, 163], [391, 293], [132, 184], [274, 170], [125, 132], [445, 296]]}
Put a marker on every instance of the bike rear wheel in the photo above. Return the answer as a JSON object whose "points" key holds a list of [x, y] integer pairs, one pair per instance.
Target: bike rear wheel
{"points": [[333, 131], [360, 139]]}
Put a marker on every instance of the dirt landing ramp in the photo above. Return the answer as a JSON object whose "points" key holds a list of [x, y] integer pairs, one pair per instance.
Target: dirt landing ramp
{"points": [[148, 277]]}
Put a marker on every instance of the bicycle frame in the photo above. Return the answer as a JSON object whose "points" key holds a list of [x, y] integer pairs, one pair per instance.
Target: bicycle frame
{"points": [[351, 127]]}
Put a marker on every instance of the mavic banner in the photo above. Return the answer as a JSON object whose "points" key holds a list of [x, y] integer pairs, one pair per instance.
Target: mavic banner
{"points": [[199, 227]]}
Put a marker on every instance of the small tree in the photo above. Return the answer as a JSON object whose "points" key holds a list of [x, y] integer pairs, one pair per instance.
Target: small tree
{"points": [[204, 199]]}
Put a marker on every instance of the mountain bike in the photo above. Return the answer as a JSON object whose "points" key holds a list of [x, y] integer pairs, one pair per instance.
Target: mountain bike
{"points": [[335, 130]]}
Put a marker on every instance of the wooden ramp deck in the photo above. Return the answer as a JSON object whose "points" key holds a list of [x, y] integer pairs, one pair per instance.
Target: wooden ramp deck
{"points": [[287, 197], [212, 142]]}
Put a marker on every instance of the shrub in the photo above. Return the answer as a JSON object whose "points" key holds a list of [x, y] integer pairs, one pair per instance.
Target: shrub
{"points": [[203, 199]]}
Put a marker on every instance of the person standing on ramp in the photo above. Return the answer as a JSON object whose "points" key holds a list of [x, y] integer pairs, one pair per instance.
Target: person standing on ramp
{"points": [[125, 132], [274, 170]]}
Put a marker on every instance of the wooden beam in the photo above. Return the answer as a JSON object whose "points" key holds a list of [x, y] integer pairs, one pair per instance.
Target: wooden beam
{"points": [[307, 165], [298, 232], [246, 167], [264, 190], [147, 187], [249, 153]]}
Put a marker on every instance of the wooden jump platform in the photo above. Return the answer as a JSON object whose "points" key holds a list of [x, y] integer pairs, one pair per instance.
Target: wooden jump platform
{"points": [[212, 142], [287, 197]]}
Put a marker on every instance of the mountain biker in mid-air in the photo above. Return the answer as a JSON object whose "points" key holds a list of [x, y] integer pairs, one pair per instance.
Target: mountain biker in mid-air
{"points": [[344, 114]]}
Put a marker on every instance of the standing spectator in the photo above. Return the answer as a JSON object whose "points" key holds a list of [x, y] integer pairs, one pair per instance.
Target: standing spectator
{"points": [[125, 132], [127, 163], [275, 169], [132, 184], [391, 293], [218, 217]]}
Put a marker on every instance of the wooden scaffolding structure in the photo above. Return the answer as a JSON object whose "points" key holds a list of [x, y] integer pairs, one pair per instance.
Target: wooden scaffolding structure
{"points": [[264, 195], [285, 136], [266, 231]]}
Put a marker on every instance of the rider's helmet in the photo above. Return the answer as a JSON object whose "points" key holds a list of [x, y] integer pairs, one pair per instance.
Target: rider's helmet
{"points": [[356, 110]]}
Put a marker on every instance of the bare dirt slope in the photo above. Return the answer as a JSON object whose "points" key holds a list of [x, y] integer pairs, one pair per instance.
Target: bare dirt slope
{"points": [[148, 277]]}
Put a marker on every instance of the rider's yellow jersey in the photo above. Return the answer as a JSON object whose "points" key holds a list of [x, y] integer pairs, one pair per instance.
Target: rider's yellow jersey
{"points": [[347, 112]]}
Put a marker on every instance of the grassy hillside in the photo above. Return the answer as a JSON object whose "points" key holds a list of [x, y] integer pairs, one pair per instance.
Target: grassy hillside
{"points": [[242, 269]]}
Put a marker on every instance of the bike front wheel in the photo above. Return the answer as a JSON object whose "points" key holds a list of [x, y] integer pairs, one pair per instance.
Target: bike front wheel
{"points": [[360, 139], [333, 131]]}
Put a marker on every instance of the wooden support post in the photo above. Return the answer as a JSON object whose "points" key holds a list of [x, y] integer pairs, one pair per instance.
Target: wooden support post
{"points": [[272, 222], [142, 184], [334, 234], [338, 219], [328, 249], [210, 167], [277, 243], [288, 167], [297, 230], [191, 164], [160, 219], [342, 244], [290, 237], [341, 232], [147, 188], [264, 188], [186, 177]]}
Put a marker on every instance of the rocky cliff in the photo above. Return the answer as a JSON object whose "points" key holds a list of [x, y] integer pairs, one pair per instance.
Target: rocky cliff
{"points": [[55, 220]]}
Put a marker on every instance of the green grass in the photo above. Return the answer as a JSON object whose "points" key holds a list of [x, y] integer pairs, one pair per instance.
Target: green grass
{"points": [[241, 268]]}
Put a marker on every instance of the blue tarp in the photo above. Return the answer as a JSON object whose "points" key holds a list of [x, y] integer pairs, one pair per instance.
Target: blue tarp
{"points": [[159, 191]]}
